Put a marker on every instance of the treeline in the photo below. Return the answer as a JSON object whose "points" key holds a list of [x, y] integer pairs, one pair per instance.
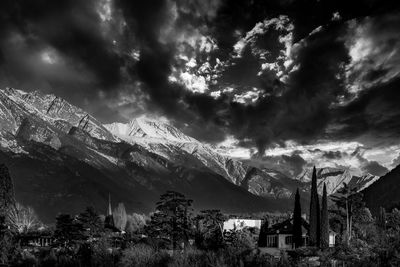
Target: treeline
{"points": [[172, 236]]}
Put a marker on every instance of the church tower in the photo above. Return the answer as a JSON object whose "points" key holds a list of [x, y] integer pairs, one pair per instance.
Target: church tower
{"points": [[109, 220]]}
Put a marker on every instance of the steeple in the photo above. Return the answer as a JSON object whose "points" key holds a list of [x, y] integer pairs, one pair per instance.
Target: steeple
{"points": [[109, 220], [109, 205]]}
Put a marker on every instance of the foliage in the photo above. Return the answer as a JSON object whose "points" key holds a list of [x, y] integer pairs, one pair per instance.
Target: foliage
{"points": [[393, 220], [210, 229], [6, 190], [143, 255], [381, 219], [91, 222], [7, 246], [68, 230], [103, 253], [314, 235], [348, 201], [172, 218], [297, 222], [135, 223]]}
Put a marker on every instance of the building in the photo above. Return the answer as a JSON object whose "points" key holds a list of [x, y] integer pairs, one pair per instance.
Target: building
{"points": [[280, 235], [239, 224]]}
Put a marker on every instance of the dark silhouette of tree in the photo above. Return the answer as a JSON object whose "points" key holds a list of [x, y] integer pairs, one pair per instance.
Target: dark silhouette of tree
{"points": [[324, 220], [7, 199], [91, 222], [171, 219], [297, 222], [262, 237], [210, 224], [315, 234], [68, 230], [381, 219]]}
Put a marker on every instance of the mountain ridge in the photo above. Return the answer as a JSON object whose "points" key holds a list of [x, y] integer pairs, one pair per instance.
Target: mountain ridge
{"points": [[147, 156]]}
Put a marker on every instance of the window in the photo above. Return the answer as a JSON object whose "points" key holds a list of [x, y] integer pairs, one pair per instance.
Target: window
{"points": [[288, 240], [272, 241]]}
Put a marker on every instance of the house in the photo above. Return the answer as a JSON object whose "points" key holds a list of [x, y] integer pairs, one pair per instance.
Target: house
{"points": [[239, 224], [36, 239], [280, 235]]}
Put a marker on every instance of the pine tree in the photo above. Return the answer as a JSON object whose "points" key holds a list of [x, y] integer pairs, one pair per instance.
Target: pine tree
{"points": [[324, 220], [262, 238], [315, 233], [172, 218], [68, 230], [381, 220], [91, 222], [297, 222]]}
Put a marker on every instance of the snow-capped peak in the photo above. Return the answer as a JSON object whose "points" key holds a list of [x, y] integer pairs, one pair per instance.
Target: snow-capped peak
{"points": [[143, 127]]}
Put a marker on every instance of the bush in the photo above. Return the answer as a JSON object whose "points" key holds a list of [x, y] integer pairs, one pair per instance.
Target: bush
{"points": [[143, 255]]}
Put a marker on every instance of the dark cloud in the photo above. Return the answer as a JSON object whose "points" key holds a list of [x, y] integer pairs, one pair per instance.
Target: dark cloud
{"points": [[375, 168], [69, 48], [332, 154], [291, 165]]}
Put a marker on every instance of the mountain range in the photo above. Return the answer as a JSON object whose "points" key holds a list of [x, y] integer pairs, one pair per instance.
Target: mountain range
{"points": [[62, 159]]}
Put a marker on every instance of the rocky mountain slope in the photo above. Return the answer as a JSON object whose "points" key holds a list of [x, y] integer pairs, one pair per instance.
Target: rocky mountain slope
{"points": [[385, 192], [334, 179], [62, 159]]}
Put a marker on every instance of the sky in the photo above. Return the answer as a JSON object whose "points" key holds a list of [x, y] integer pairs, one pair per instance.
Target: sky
{"points": [[287, 82]]}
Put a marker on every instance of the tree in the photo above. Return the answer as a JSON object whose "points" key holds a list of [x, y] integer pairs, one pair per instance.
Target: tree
{"points": [[135, 223], [7, 242], [314, 212], [381, 219], [68, 231], [297, 222], [324, 220], [171, 219], [120, 216], [23, 219], [348, 199], [211, 228], [91, 222], [6, 190], [262, 237]]}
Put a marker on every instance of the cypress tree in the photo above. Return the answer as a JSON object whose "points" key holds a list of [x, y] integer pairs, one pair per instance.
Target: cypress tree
{"points": [[315, 233], [262, 237], [381, 220], [297, 225], [324, 220]]}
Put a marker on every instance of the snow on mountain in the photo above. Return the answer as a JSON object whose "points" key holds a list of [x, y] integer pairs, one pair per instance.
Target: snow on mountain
{"points": [[169, 142], [60, 156], [335, 177], [17, 105], [143, 147], [143, 127]]}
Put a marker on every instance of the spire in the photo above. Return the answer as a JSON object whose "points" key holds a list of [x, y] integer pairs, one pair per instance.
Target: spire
{"points": [[109, 205]]}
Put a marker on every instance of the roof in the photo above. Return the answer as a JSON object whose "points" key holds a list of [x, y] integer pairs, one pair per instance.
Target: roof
{"points": [[286, 227]]}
